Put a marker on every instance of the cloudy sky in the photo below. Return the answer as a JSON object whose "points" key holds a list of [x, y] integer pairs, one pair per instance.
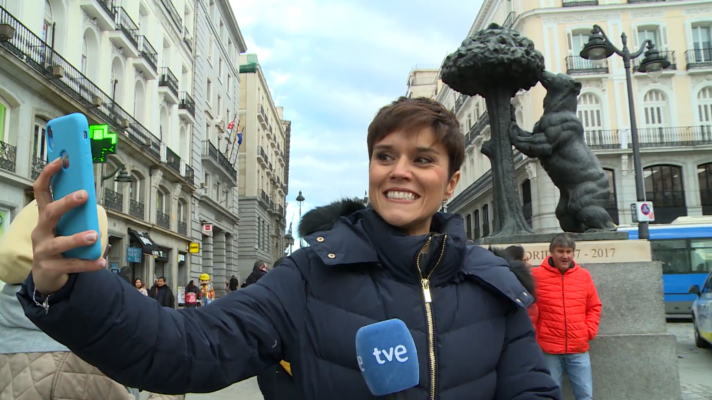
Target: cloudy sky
{"points": [[332, 64]]}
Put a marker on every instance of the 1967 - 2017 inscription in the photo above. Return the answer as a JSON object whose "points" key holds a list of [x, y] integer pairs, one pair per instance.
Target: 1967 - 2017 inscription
{"points": [[609, 251]]}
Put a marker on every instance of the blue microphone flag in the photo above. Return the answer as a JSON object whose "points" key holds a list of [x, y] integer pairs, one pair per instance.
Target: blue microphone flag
{"points": [[387, 357]]}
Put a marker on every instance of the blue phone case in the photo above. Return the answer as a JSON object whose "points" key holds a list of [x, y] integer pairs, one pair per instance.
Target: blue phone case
{"points": [[69, 135]]}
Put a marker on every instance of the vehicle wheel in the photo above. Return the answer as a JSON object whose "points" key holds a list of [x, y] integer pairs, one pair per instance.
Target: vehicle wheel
{"points": [[699, 342]]}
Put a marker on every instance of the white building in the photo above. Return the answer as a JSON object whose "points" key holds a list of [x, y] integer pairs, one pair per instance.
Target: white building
{"points": [[124, 64], [217, 104]]}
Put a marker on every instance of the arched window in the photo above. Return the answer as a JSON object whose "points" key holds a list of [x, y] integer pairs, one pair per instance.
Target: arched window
{"points": [[468, 226], [485, 220], [165, 124], [183, 145], [117, 80], [590, 113], [48, 24], [136, 196], [704, 114], [477, 224], [90, 55], [656, 119], [139, 110], [39, 147], [85, 55], [527, 208], [182, 216], [704, 177], [163, 208], [664, 187], [612, 206]]}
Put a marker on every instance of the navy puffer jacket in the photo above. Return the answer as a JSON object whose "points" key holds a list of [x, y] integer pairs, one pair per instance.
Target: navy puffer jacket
{"points": [[358, 270]]}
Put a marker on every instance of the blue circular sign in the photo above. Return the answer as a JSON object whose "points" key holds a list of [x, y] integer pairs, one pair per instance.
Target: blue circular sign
{"points": [[645, 209]]}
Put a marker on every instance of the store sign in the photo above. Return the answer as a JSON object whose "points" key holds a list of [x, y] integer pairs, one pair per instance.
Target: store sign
{"points": [[208, 229], [194, 247]]}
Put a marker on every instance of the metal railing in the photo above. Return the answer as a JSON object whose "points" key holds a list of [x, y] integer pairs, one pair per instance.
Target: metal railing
{"points": [[8, 157], [460, 102], [187, 39], [126, 25], [263, 155], [668, 55], [113, 200], [168, 80], [187, 103], [579, 65], [603, 139], [675, 136], [182, 228], [173, 13], [148, 52], [38, 165], [172, 160], [107, 5], [219, 158], [699, 58], [39, 56], [136, 209], [189, 174], [163, 219], [264, 197]]}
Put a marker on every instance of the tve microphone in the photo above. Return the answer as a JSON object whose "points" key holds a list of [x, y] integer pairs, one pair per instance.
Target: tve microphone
{"points": [[387, 357]]}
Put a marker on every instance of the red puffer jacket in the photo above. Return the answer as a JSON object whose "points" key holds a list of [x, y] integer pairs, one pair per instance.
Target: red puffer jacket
{"points": [[568, 306]]}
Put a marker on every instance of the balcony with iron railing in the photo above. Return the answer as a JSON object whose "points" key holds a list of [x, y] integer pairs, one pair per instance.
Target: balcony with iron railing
{"points": [[168, 81], [136, 209], [34, 53], [183, 228], [264, 198], [189, 175], [126, 34], [261, 116], [667, 55], [163, 220], [100, 11], [699, 59], [186, 107], [147, 63], [672, 136], [461, 99], [577, 65], [8, 157], [173, 14], [579, 3], [113, 200], [480, 125], [262, 157], [219, 160], [38, 165], [172, 160]]}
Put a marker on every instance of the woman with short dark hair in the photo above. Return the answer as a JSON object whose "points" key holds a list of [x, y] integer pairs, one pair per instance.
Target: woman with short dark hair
{"points": [[398, 258]]}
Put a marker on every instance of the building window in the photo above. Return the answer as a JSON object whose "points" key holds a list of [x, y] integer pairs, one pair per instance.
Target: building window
{"points": [[664, 187], [527, 208], [590, 113], [259, 232], [656, 119], [229, 85], [612, 205], [477, 224], [4, 220], [217, 110], [220, 69], [39, 151], [48, 25], [468, 227], [209, 93], [576, 40], [4, 111], [704, 113], [85, 52], [485, 220], [704, 177], [211, 48], [702, 43]]}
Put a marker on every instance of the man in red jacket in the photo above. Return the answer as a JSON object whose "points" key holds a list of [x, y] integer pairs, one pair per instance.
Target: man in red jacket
{"points": [[569, 312]]}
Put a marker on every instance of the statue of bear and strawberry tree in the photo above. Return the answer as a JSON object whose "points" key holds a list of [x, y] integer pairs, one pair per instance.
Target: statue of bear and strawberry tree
{"points": [[496, 63], [557, 140]]}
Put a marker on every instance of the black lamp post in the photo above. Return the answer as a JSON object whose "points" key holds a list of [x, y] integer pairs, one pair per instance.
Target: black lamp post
{"points": [[599, 48], [300, 199]]}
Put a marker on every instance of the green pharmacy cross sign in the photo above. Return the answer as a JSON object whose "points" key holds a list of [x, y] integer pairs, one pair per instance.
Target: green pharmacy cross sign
{"points": [[103, 142]]}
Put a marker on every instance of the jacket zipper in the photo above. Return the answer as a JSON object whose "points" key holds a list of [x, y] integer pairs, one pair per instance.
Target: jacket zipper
{"points": [[566, 325], [425, 282]]}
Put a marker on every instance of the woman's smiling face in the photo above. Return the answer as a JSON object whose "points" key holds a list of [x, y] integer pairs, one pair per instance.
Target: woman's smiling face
{"points": [[408, 179]]}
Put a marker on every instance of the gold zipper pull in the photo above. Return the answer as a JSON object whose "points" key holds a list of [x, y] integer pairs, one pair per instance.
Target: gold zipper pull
{"points": [[426, 290]]}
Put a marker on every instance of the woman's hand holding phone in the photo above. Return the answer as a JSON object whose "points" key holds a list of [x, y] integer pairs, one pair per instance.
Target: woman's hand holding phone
{"points": [[50, 270]]}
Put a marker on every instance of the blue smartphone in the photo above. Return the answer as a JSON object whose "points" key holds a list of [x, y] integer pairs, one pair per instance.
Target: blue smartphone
{"points": [[68, 139]]}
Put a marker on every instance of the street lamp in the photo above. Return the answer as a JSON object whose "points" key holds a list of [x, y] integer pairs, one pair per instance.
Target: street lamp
{"points": [[123, 177], [599, 48], [300, 200]]}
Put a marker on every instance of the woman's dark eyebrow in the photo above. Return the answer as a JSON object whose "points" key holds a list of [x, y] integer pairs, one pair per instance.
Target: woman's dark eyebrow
{"points": [[382, 147]]}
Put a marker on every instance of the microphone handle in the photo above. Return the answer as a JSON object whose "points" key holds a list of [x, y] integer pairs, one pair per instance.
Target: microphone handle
{"points": [[396, 396]]}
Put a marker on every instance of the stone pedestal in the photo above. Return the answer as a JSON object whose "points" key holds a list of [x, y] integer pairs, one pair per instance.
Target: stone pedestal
{"points": [[633, 356]]}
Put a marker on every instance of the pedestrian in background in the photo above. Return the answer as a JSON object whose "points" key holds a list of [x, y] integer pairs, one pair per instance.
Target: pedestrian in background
{"points": [[569, 313]]}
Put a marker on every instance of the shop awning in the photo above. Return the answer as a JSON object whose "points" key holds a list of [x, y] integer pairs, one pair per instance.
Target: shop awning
{"points": [[148, 246]]}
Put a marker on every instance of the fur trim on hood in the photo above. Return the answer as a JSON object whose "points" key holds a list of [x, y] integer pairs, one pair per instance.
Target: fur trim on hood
{"points": [[323, 219], [519, 268]]}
